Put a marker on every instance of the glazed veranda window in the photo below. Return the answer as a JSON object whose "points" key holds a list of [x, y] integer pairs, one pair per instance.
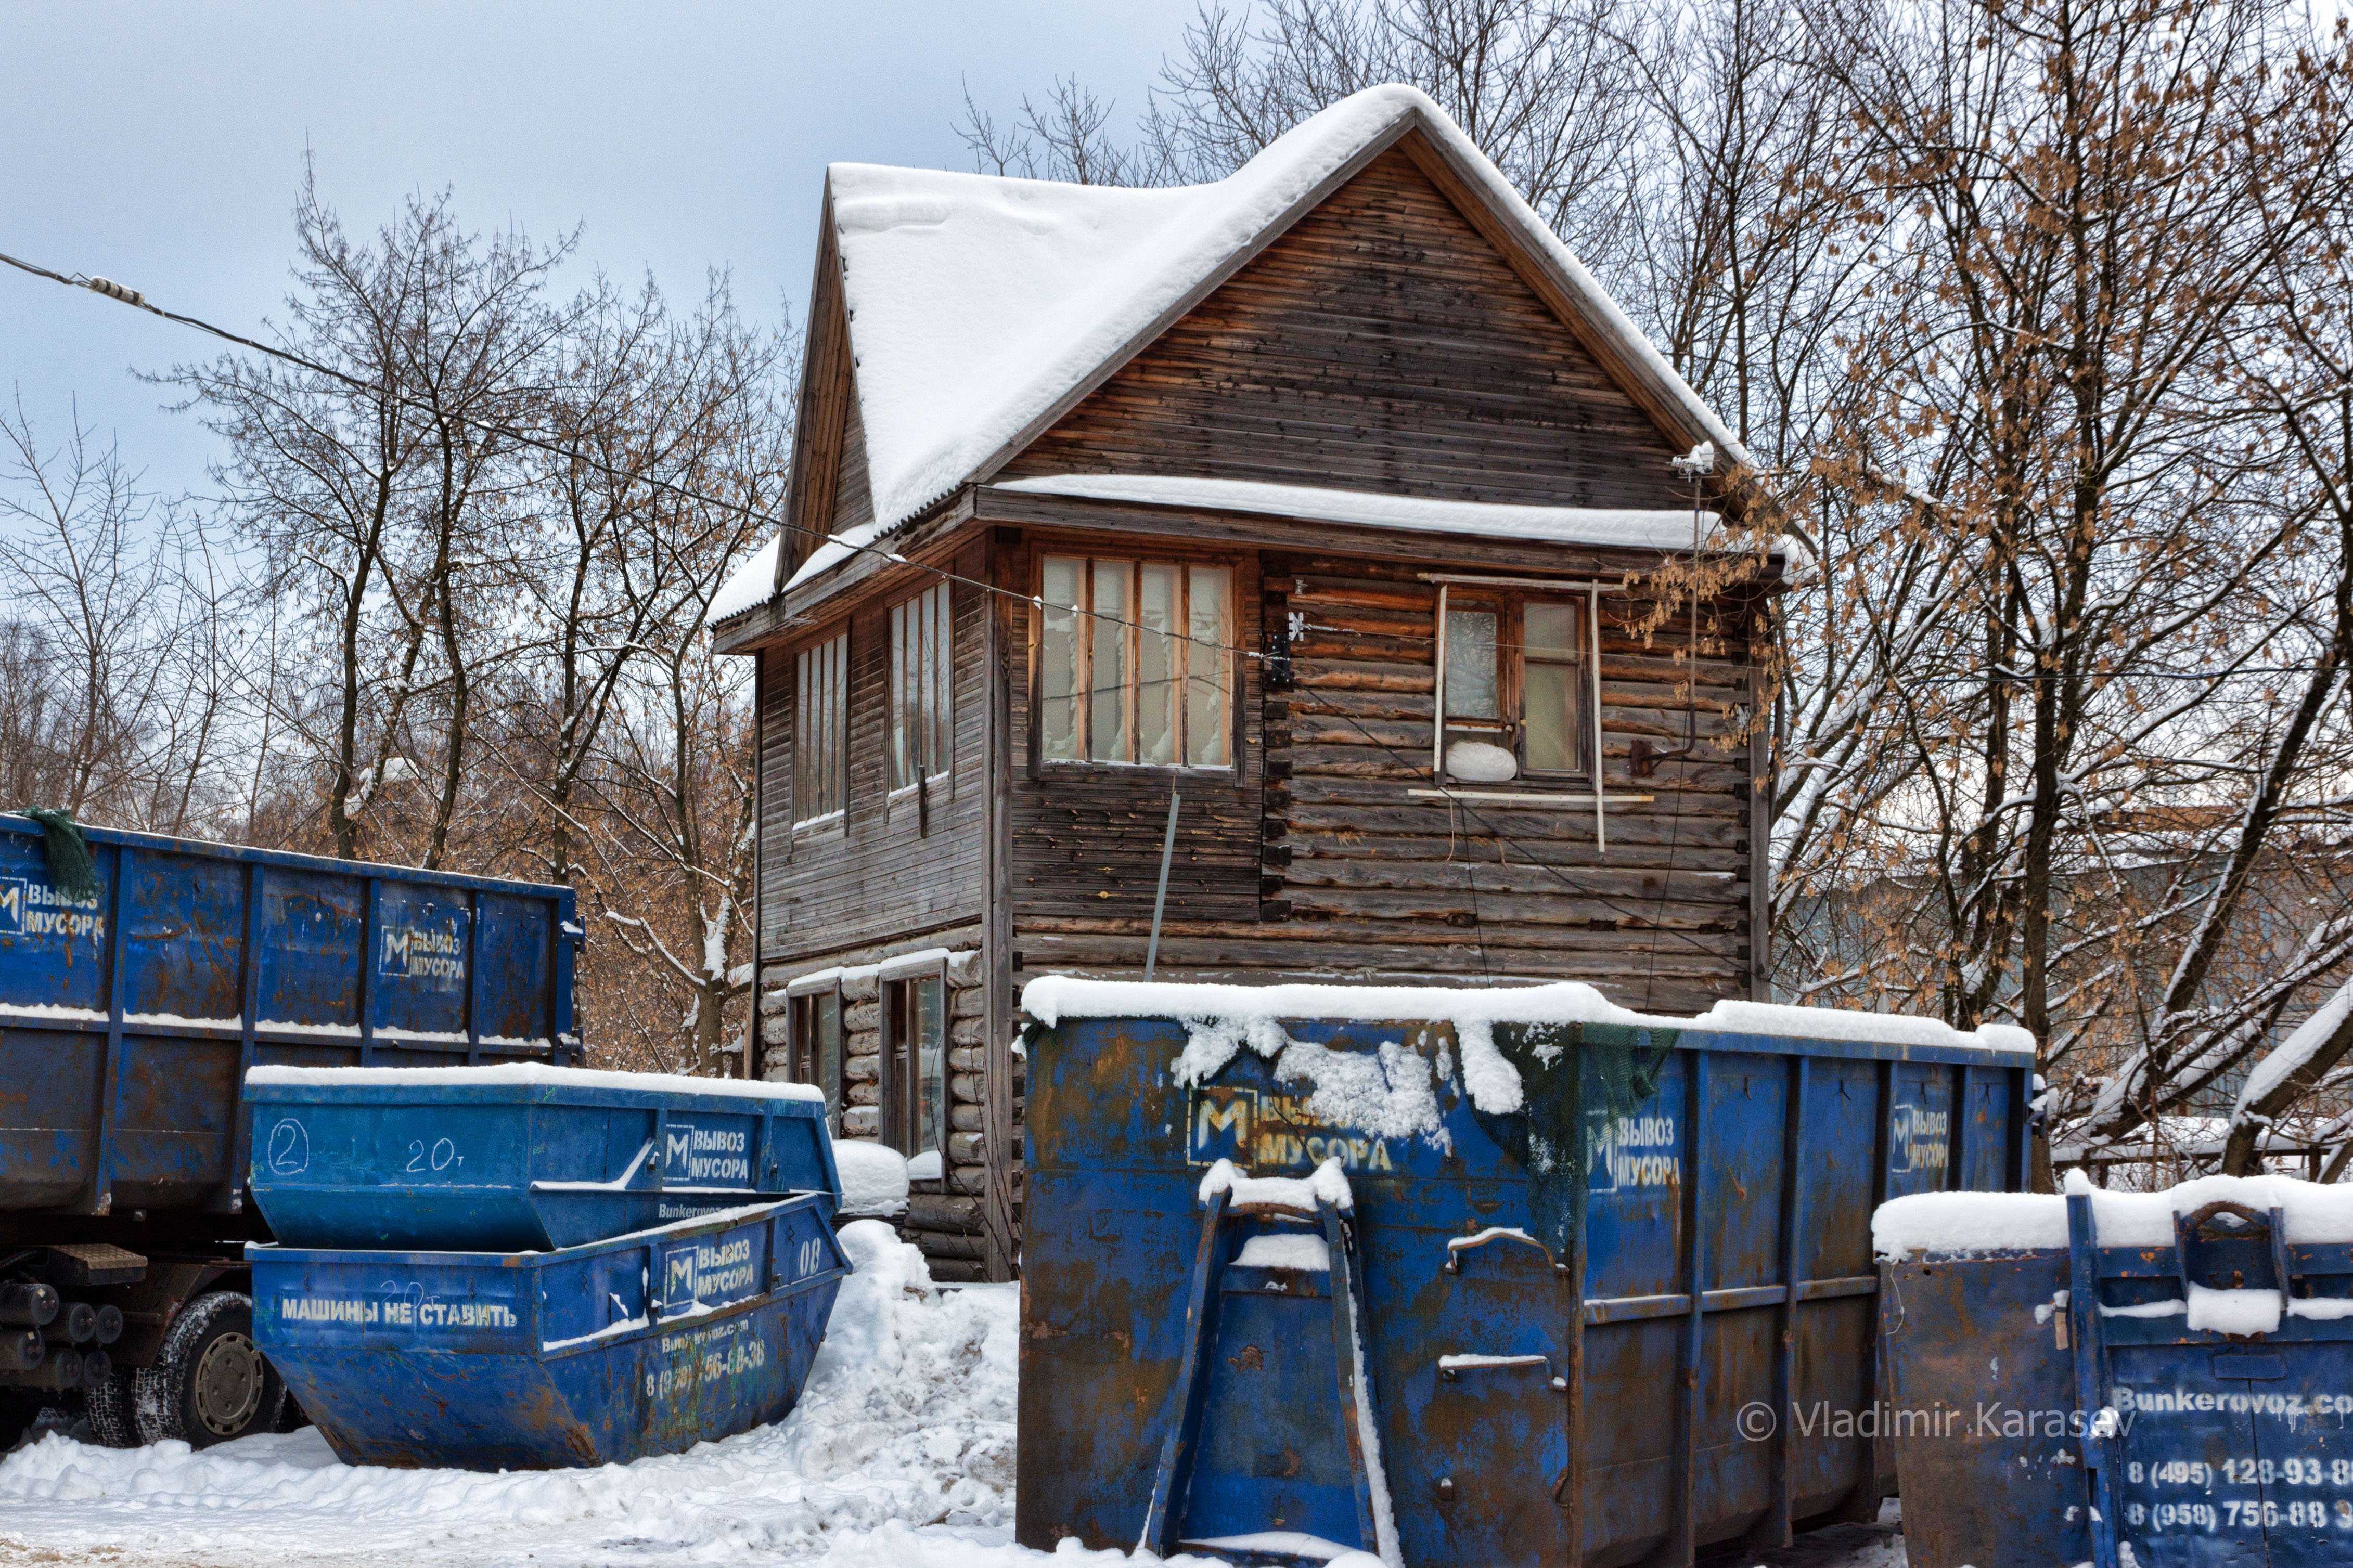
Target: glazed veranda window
{"points": [[1132, 662]]}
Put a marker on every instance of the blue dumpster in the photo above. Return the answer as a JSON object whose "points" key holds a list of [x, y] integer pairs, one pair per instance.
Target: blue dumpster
{"points": [[2167, 1375], [591, 1355], [521, 1157], [1474, 1277], [128, 1019]]}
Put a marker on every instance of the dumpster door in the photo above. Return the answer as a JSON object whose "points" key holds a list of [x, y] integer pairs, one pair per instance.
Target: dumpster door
{"points": [[2192, 1489], [1495, 1402], [2303, 1454]]}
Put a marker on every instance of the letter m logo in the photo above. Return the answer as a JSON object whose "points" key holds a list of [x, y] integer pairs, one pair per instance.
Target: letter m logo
{"points": [[1221, 1125], [394, 960], [11, 906]]}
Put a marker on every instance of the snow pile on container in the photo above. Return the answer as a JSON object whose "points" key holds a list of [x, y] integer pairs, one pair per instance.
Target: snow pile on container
{"points": [[873, 1177], [1954, 1224], [1395, 1096]]}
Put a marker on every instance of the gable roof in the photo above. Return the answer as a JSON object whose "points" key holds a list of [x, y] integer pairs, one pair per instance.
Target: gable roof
{"points": [[981, 307]]}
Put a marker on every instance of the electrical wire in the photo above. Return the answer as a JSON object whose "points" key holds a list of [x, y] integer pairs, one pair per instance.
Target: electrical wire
{"points": [[122, 294]]}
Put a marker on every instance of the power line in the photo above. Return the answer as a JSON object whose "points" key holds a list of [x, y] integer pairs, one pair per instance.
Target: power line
{"points": [[122, 294]]}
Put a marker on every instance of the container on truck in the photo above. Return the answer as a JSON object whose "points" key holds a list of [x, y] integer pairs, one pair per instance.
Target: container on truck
{"points": [[128, 1022]]}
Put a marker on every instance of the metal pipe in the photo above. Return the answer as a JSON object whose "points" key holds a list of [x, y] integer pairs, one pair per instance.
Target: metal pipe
{"points": [[1600, 818], [1160, 898], [25, 1305]]}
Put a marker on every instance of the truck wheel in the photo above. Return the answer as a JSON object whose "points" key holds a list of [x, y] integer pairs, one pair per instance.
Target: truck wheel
{"points": [[208, 1384], [113, 1408]]}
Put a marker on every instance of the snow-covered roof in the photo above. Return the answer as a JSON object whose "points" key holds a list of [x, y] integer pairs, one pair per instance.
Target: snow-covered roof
{"points": [[1671, 529], [978, 303]]}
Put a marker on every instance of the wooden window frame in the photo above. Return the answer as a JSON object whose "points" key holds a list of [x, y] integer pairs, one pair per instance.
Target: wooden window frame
{"points": [[899, 1084], [1135, 561], [803, 1042], [815, 663], [922, 700], [1509, 601]]}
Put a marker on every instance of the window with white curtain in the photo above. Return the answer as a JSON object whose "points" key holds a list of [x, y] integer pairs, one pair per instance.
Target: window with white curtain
{"points": [[1135, 663], [923, 726], [821, 724]]}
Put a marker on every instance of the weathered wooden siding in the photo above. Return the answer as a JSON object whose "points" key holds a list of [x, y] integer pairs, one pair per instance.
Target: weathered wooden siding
{"points": [[887, 871], [1380, 344], [1359, 879]]}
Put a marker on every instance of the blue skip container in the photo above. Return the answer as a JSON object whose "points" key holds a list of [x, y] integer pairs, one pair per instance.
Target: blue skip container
{"points": [[521, 1157], [2159, 1378], [593, 1355]]}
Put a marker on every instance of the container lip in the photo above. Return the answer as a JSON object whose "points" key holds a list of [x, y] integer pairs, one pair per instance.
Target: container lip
{"points": [[680, 1229], [25, 825], [518, 1083]]}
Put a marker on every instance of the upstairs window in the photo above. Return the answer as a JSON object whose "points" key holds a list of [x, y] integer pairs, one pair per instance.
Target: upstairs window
{"points": [[1518, 693], [921, 727], [821, 712], [1134, 663]]}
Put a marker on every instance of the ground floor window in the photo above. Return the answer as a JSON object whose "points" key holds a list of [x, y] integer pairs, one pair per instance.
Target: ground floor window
{"points": [[814, 1031], [916, 1072]]}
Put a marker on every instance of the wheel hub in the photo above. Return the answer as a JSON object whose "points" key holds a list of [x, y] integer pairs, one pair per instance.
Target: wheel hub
{"points": [[228, 1384]]}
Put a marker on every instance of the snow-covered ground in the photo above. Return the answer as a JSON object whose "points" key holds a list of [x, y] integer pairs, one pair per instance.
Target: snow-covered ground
{"points": [[898, 1456]]}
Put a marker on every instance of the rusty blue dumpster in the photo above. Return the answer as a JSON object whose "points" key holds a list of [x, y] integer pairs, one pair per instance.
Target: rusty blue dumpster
{"points": [[520, 1157], [598, 1354], [1496, 1276], [2158, 1378]]}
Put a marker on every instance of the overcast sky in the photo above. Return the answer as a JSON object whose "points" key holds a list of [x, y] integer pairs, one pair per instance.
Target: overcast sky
{"points": [[160, 145]]}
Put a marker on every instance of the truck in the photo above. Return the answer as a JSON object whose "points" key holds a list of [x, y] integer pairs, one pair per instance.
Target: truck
{"points": [[128, 1017]]}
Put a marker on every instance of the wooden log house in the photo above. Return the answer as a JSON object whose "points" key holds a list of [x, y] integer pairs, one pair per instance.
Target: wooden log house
{"points": [[1331, 499]]}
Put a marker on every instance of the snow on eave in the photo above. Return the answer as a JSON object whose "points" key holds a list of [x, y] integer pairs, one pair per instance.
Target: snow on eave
{"points": [[1150, 256], [1628, 528]]}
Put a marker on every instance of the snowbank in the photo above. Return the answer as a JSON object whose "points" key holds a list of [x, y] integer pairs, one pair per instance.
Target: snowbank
{"points": [[1957, 1224], [1390, 1094], [537, 1073]]}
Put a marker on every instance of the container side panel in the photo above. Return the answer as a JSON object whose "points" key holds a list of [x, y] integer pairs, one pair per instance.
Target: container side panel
{"points": [[1835, 1180], [1732, 1472], [418, 954], [1629, 1469], [1747, 1117], [179, 1095], [1634, 1185], [1986, 1160], [311, 947], [516, 948], [183, 937], [52, 951], [1831, 1450], [1920, 1129], [48, 1114]]}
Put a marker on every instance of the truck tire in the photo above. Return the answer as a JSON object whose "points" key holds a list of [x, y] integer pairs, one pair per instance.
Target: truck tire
{"points": [[209, 1384], [112, 1407]]}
